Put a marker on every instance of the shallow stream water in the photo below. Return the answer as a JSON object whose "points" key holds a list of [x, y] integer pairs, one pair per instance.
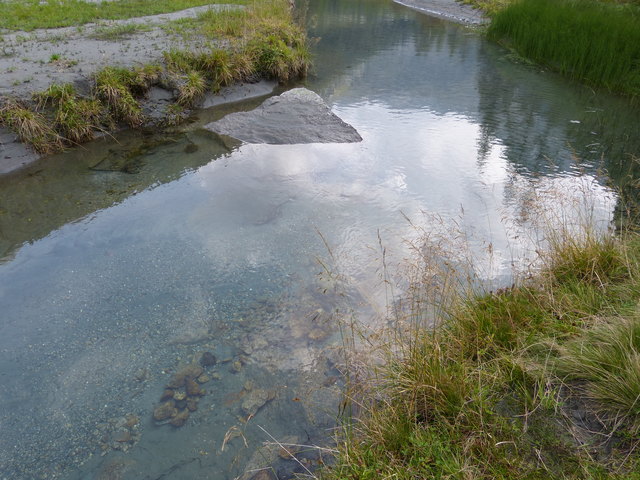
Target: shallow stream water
{"points": [[127, 259]]}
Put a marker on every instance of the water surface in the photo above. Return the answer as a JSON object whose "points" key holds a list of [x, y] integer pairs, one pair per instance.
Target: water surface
{"points": [[129, 258]]}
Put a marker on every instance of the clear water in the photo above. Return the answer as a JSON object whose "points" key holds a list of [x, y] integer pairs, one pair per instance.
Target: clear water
{"points": [[126, 259]]}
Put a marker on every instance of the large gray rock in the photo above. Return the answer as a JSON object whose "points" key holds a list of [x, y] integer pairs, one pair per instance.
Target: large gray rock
{"points": [[296, 116]]}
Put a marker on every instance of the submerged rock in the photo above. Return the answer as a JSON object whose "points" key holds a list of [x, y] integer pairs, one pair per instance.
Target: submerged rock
{"points": [[255, 399], [236, 366], [131, 421], [191, 148], [317, 334], [181, 395], [122, 436], [289, 447], [190, 371], [115, 468], [180, 419], [266, 474], [208, 359], [167, 394], [192, 404], [165, 411], [193, 388], [296, 116], [192, 329]]}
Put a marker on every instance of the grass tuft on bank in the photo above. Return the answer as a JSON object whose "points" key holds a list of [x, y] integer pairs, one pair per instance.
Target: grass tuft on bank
{"points": [[32, 128], [597, 43], [536, 381]]}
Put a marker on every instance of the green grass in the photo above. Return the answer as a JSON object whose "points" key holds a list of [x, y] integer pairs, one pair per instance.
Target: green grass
{"points": [[264, 42], [537, 381], [28, 15], [224, 24], [592, 42]]}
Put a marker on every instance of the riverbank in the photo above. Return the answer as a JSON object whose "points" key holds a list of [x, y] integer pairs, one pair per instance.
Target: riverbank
{"points": [[148, 70], [538, 380]]}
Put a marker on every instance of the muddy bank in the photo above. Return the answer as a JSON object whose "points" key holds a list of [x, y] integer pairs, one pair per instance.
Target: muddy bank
{"points": [[447, 9]]}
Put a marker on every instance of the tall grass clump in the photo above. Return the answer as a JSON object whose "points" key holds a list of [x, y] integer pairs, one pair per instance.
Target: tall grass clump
{"points": [[54, 95], [537, 380], [191, 87], [278, 58], [278, 45], [117, 88], [31, 127], [75, 118], [59, 116], [605, 364], [593, 42]]}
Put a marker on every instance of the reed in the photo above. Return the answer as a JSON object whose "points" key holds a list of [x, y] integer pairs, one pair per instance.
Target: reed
{"points": [[592, 42]]}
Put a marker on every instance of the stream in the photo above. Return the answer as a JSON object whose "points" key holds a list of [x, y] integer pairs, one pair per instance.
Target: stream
{"points": [[130, 259]]}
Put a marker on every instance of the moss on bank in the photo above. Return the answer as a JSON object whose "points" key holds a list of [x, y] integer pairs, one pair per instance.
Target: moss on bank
{"points": [[540, 380], [259, 41]]}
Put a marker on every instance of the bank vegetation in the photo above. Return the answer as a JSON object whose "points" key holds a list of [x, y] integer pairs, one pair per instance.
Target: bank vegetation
{"points": [[538, 380], [259, 41]]}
